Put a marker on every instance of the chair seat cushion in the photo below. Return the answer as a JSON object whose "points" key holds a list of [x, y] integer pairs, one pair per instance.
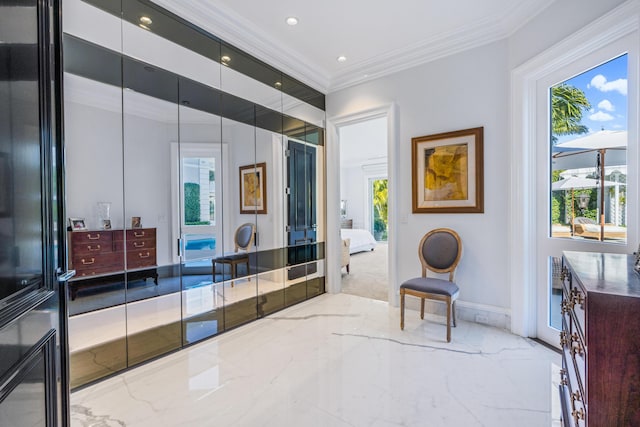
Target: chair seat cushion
{"points": [[232, 257], [432, 286]]}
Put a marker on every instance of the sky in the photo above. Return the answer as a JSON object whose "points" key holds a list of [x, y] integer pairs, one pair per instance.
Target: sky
{"points": [[606, 89]]}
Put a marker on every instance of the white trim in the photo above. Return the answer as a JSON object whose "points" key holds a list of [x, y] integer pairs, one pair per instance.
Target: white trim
{"points": [[522, 227], [333, 193]]}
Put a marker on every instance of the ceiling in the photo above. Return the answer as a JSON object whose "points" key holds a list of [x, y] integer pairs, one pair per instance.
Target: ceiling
{"points": [[378, 37]]}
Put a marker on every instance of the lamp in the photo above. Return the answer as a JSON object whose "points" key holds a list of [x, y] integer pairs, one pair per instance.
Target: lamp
{"points": [[583, 200]]}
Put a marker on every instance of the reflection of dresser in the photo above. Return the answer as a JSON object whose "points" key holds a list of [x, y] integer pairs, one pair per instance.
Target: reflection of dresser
{"points": [[98, 252], [600, 339]]}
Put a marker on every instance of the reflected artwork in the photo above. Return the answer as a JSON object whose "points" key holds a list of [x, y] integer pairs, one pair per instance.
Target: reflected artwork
{"points": [[253, 190]]}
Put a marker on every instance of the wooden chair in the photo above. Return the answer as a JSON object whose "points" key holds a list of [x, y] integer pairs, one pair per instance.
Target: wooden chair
{"points": [[439, 251], [243, 241]]}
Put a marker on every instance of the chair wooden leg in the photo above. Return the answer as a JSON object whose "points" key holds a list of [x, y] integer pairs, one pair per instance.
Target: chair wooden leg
{"points": [[453, 309], [422, 308], [401, 309], [449, 320], [347, 268]]}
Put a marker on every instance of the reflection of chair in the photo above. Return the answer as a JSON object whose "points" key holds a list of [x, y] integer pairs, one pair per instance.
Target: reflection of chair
{"points": [[439, 251], [243, 241], [346, 256]]}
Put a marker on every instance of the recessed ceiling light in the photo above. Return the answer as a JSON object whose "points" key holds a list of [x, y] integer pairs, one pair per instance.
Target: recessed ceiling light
{"points": [[145, 20], [341, 58], [225, 59], [292, 20], [278, 85]]}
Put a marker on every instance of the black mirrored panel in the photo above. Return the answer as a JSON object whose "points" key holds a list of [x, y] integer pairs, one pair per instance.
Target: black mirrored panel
{"points": [[202, 175], [244, 198], [21, 163], [270, 238], [94, 200], [150, 129]]}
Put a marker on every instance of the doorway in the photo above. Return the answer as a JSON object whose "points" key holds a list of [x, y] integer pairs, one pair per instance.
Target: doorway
{"points": [[364, 206]]}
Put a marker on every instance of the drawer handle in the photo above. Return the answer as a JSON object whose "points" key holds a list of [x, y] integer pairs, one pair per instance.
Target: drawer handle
{"points": [[578, 415], [90, 237], [576, 348], [138, 244], [93, 249], [564, 273], [141, 255], [563, 338], [575, 396], [577, 298], [138, 234], [85, 262], [563, 377]]}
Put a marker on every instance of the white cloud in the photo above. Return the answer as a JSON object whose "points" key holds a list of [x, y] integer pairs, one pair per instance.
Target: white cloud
{"points": [[606, 105], [600, 82], [601, 116]]}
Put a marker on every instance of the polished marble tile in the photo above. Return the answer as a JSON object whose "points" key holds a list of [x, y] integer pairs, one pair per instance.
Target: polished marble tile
{"points": [[336, 360]]}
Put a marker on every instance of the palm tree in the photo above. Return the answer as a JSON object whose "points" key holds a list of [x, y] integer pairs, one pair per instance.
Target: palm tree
{"points": [[568, 103]]}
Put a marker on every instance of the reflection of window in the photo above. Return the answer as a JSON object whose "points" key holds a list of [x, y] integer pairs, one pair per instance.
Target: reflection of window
{"points": [[198, 176], [588, 154]]}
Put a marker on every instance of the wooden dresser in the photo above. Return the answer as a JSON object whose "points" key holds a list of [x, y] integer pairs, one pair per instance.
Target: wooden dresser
{"points": [[600, 339], [102, 252]]}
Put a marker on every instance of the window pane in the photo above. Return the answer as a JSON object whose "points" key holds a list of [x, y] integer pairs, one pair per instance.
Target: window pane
{"points": [[589, 154], [198, 175]]}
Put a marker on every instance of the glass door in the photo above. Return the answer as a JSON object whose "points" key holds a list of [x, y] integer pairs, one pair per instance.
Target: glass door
{"points": [[582, 204]]}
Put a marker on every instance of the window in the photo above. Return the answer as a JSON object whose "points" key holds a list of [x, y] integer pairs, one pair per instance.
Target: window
{"points": [[589, 154], [198, 176]]}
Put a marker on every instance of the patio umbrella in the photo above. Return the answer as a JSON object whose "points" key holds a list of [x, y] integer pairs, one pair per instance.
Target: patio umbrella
{"points": [[599, 142]]}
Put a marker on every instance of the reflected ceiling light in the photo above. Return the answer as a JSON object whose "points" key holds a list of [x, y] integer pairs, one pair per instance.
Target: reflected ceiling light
{"points": [[341, 58], [225, 59], [278, 85], [145, 22], [292, 20]]}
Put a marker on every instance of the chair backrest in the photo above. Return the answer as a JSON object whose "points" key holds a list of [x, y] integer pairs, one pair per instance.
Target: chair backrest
{"points": [[440, 251], [244, 236]]}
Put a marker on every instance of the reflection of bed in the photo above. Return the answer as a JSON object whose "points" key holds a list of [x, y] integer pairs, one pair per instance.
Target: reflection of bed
{"points": [[586, 227], [361, 240]]}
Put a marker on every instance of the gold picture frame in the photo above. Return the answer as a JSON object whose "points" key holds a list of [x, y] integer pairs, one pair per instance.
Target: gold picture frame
{"points": [[253, 189], [448, 172]]}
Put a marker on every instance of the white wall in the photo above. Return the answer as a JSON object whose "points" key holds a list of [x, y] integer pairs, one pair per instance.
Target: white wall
{"points": [[552, 25], [459, 92], [466, 90]]}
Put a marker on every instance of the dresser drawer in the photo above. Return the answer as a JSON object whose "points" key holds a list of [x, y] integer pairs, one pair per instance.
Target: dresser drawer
{"points": [[142, 233], [141, 258], [82, 238], [92, 264], [135, 244]]}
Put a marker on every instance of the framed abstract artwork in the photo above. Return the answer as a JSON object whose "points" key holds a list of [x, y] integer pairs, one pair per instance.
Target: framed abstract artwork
{"points": [[253, 189], [447, 172]]}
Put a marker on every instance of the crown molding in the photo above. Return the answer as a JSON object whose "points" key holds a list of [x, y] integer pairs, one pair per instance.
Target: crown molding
{"points": [[240, 32], [233, 28]]}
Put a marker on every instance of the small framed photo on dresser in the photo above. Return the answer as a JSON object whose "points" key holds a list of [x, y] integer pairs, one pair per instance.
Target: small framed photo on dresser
{"points": [[106, 224], [77, 224], [136, 222]]}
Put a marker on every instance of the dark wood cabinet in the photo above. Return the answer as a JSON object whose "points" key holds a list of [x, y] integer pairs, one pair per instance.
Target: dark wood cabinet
{"points": [[600, 339], [104, 252]]}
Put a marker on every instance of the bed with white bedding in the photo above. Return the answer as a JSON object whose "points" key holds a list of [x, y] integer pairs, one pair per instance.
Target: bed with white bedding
{"points": [[361, 240]]}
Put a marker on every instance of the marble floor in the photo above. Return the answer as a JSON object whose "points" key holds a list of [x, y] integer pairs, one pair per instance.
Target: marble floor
{"points": [[336, 360]]}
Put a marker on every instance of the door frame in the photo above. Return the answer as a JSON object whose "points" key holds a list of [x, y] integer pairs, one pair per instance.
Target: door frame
{"points": [[619, 23], [389, 111]]}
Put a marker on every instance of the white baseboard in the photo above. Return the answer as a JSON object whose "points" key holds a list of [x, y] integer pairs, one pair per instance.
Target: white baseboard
{"points": [[498, 317]]}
